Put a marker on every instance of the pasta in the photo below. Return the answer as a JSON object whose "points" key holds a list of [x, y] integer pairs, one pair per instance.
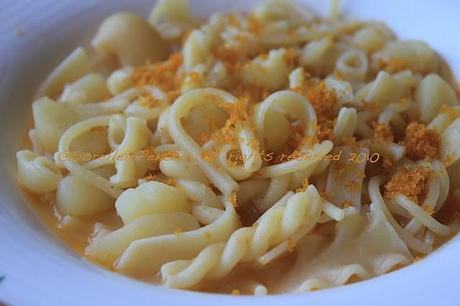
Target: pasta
{"points": [[259, 153]]}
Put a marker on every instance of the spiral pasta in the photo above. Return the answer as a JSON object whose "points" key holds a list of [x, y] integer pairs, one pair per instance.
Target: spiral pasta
{"points": [[301, 210]]}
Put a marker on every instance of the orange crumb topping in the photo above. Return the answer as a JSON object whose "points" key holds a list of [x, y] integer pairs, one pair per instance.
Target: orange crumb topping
{"points": [[325, 130], [325, 103], [383, 132], [428, 209], [203, 138], [291, 244], [150, 177], [371, 106], [173, 95], [98, 129], [350, 142], [387, 163], [195, 78], [233, 200], [147, 100], [340, 169], [171, 181], [393, 65], [254, 25], [451, 112], [354, 185], [296, 134], [160, 178], [421, 142], [291, 57], [251, 93], [161, 74], [323, 99], [209, 155], [338, 75], [305, 184], [347, 204], [411, 182], [230, 57], [238, 112]]}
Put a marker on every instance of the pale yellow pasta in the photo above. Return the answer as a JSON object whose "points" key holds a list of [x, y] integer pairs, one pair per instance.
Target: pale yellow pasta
{"points": [[286, 104], [416, 55], [271, 72], [352, 65], [134, 140], [250, 189], [130, 38], [316, 56], [370, 38], [149, 198], [350, 174], [110, 246], [450, 141], [145, 255], [38, 174], [90, 88], [181, 107], [120, 80], [432, 93], [114, 105], [274, 10], [196, 49], [77, 198], [171, 18], [51, 120], [343, 89], [277, 188], [198, 121], [346, 122], [383, 90], [300, 212], [91, 142], [182, 168], [339, 261], [76, 65]]}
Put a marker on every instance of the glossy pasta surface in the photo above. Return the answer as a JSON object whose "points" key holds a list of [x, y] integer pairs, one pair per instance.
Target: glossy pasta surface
{"points": [[261, 152]]}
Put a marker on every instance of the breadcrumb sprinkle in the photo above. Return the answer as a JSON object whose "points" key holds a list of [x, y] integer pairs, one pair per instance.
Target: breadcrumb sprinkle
{"points": [[383, 132], [347, 204], [411, 182], [305, 184], [428, 209], [325, 102], [147, 100], [291, 244], [393, 65], [421, 142], [233, 200], [161, 74]]}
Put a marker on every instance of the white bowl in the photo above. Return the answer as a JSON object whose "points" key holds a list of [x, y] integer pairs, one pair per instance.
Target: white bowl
{"points": [[39, 270]]}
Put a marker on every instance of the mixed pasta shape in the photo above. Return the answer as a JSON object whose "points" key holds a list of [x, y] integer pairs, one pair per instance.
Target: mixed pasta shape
{"points": [[260, 152]]}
